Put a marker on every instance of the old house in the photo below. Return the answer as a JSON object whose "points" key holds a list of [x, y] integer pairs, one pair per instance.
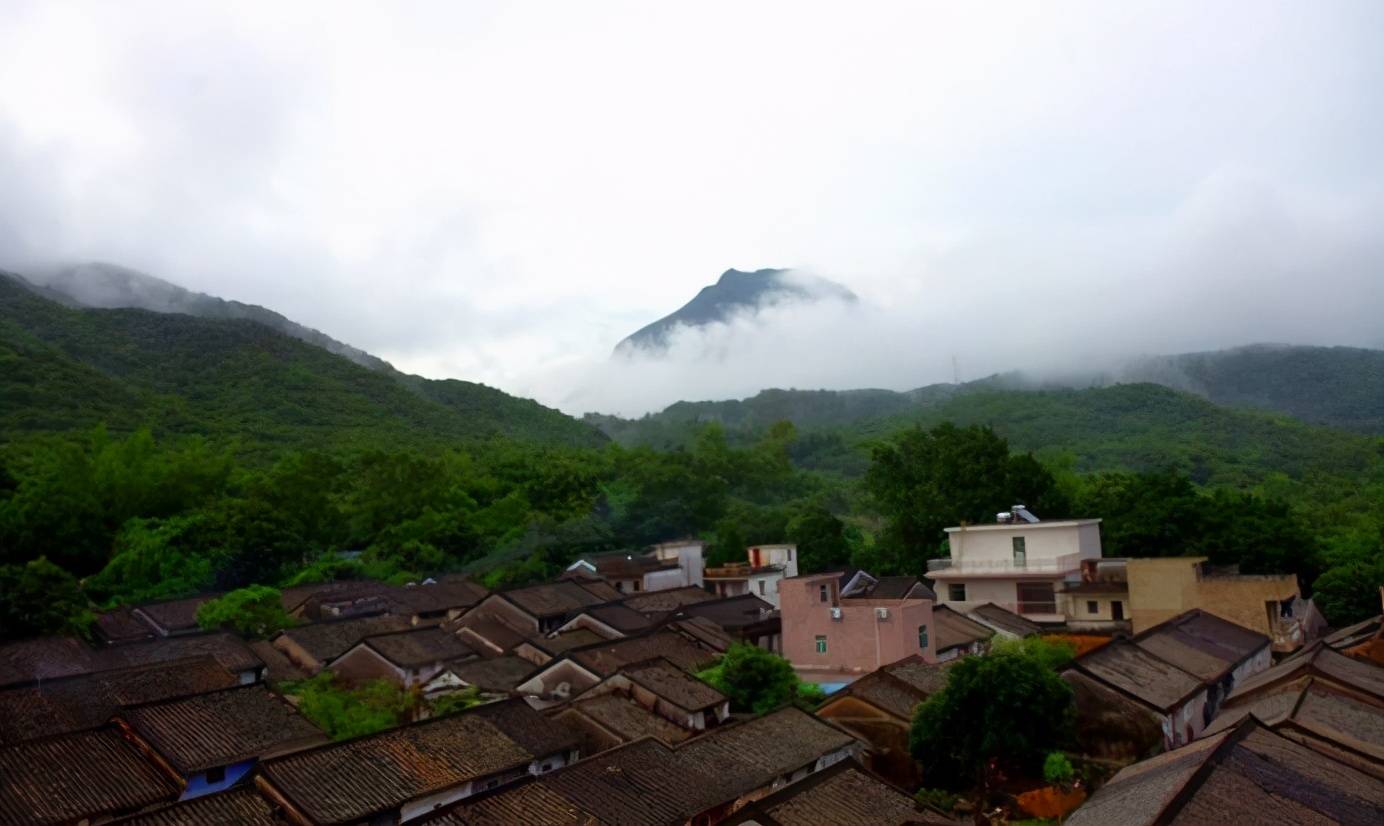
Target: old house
{"points": [[1005, 623], [1319, 698], [608, 621], [959, 635], [1018, 562], [505, 618], [82, 777], [1363, 640], [242, 806], [751, 759], [668, 691], [1269, 604], [606, 721], [581, 668], [211, 741], [857, 625], [1249, 774], [660, 605], [406, 772], [405, 658], [878, 709], [29, 662], [1218, 652], [541, 648], [760, 574], [643, 782], [311, 647], [843, 793], [89, 700], [492, 676], [172, 617]]}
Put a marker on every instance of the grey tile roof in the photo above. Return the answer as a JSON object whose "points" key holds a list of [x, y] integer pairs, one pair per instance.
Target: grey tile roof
{"points": [[418, 646], [746, 756], [237, 807], [325, 641], [955, 630], [673, 684], [73, 777], [1005, 620], [629, 720], [1138, 673], [841, 794], [1201, 644]]}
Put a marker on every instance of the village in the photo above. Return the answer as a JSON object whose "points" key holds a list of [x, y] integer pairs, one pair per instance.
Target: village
{"points": [[1199, 695]]}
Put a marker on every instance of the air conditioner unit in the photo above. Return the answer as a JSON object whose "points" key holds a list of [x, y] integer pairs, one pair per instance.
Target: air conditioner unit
{"points": [[882, 613], [836, 614]]}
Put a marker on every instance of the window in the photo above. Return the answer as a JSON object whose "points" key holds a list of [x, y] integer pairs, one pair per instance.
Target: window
{"points": [[638, 586], [790, 554], [956, 592], [823, 592], [1020, 552], [216, 775], [821, 644], [922, 637], [761, 587], [619, 586], [1092, 607]]}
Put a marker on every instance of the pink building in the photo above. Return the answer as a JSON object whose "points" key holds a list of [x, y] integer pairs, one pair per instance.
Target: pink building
{"points": [[856, 627]]}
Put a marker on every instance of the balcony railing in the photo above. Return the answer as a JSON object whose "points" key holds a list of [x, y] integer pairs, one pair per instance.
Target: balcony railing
{"points": [[992, 567]]}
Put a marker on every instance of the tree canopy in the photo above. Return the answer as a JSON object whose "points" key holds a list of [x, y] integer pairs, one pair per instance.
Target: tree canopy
{"points": [[755, 680]]}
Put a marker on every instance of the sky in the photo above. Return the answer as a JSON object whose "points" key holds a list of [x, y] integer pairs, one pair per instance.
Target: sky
{"points": [[502, 191]]}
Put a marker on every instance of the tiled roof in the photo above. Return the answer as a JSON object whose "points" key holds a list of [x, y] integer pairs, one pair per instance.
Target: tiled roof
{"points": [[926, 677], [1354, 634], [236, 807], [1319, 659], [71, 777], [354, 779], [121, 625], [521, 805], [628, 719], [627, 565], [1136, 672], [221, 728], [1201, 644], [607, 658], [494, 674], [526, 727], [895, 587], [49, 657], [955, 629], [426, 598], [553, 598], [673, 684], [656, 603], [601, 590], [887, 691], [843, 793], [492, 631], [643, 783], [703, 631], [89, 700], [1316, 706], [174, 616], [1005, 620], [730, 613], [418, 646], [746, 756], [325, 641], [1247, 775], [565, 641], [280, 667], [620, 617], [346, 598]]}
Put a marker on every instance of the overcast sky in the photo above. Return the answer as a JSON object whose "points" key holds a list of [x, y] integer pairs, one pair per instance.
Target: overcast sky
{"points": [[501, 192]]}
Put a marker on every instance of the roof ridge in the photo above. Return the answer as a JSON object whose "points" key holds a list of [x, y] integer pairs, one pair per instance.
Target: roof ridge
{"points": [[1213, 758], [188, 696]]}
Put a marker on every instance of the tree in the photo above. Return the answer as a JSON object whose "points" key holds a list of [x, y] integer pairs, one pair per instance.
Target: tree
{"points": [[758, 681], [823, 541], [254, 612], [41, 598], [923, 481], [1005, 710], [1349, 593], [345, 712]]}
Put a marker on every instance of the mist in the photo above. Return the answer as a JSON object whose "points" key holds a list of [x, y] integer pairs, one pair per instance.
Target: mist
{"points": [[502, 194]]}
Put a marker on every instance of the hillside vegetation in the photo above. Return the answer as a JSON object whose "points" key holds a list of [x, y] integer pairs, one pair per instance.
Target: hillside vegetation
{"points": [[70, 369]]}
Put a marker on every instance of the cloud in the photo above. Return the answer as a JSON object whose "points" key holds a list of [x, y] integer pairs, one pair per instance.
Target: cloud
{"points": [[502, 192]]}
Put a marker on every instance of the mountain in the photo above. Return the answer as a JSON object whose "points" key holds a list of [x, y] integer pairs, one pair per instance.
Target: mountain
{"points": [[107, 286], [232, 379], [735, 293]]}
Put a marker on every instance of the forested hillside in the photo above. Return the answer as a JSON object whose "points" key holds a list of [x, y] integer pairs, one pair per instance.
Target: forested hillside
{"points": [[69, 369]]}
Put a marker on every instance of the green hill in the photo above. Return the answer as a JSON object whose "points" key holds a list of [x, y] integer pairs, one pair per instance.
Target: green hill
{"points": [[63, 368]]}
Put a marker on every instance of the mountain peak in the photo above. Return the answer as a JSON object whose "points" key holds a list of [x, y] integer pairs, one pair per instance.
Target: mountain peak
{"points": [[736, 292]]}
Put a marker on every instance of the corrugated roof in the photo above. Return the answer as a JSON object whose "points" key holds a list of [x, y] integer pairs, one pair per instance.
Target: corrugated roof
{"points": [[236, 807], [354, 779], [85, 774], [1246, 775], [89, 700], [221, 728], [841, 794], [746, 756]]}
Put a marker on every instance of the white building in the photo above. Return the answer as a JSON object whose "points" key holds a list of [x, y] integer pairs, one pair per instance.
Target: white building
{"points": [[1016, 563], [665, 566], [765, 568]]}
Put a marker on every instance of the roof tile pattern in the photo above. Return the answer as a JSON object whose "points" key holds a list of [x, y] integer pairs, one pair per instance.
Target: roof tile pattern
{"points": [[70, 777], [237, 807], [1133, 670], [418, 646], [607, 658], [956, 630], [749, 755], [673, 684], [325, 641], [628, 719], [221, 728], [1201, 644], [844, 793]]}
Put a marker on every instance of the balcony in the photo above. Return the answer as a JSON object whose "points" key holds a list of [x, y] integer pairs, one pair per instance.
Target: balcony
{"points": [[953, 568]]}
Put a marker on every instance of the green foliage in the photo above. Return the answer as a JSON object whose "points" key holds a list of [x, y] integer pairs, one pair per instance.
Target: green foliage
{"points": [[41, 598], [344, 712], [1057, 769], [254, 612], [758, 681], [457, 701], [155, 559], [1008, 709], [1349, 593], [824, 541], [926, 480], [939, 799], [1051, 652]]}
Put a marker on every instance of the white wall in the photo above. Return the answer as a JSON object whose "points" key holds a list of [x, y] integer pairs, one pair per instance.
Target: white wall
{"points": [[1002, 592], [995, 543]]}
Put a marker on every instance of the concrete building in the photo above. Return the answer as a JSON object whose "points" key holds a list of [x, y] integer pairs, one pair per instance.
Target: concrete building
{"points": [[1160, 589], [858, 625], [1017, 563], [664, 566], [760, 575], [1099, 602]]}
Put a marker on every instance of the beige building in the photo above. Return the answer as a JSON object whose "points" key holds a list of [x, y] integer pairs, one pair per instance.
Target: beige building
{"points": [[1160, 589]]}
